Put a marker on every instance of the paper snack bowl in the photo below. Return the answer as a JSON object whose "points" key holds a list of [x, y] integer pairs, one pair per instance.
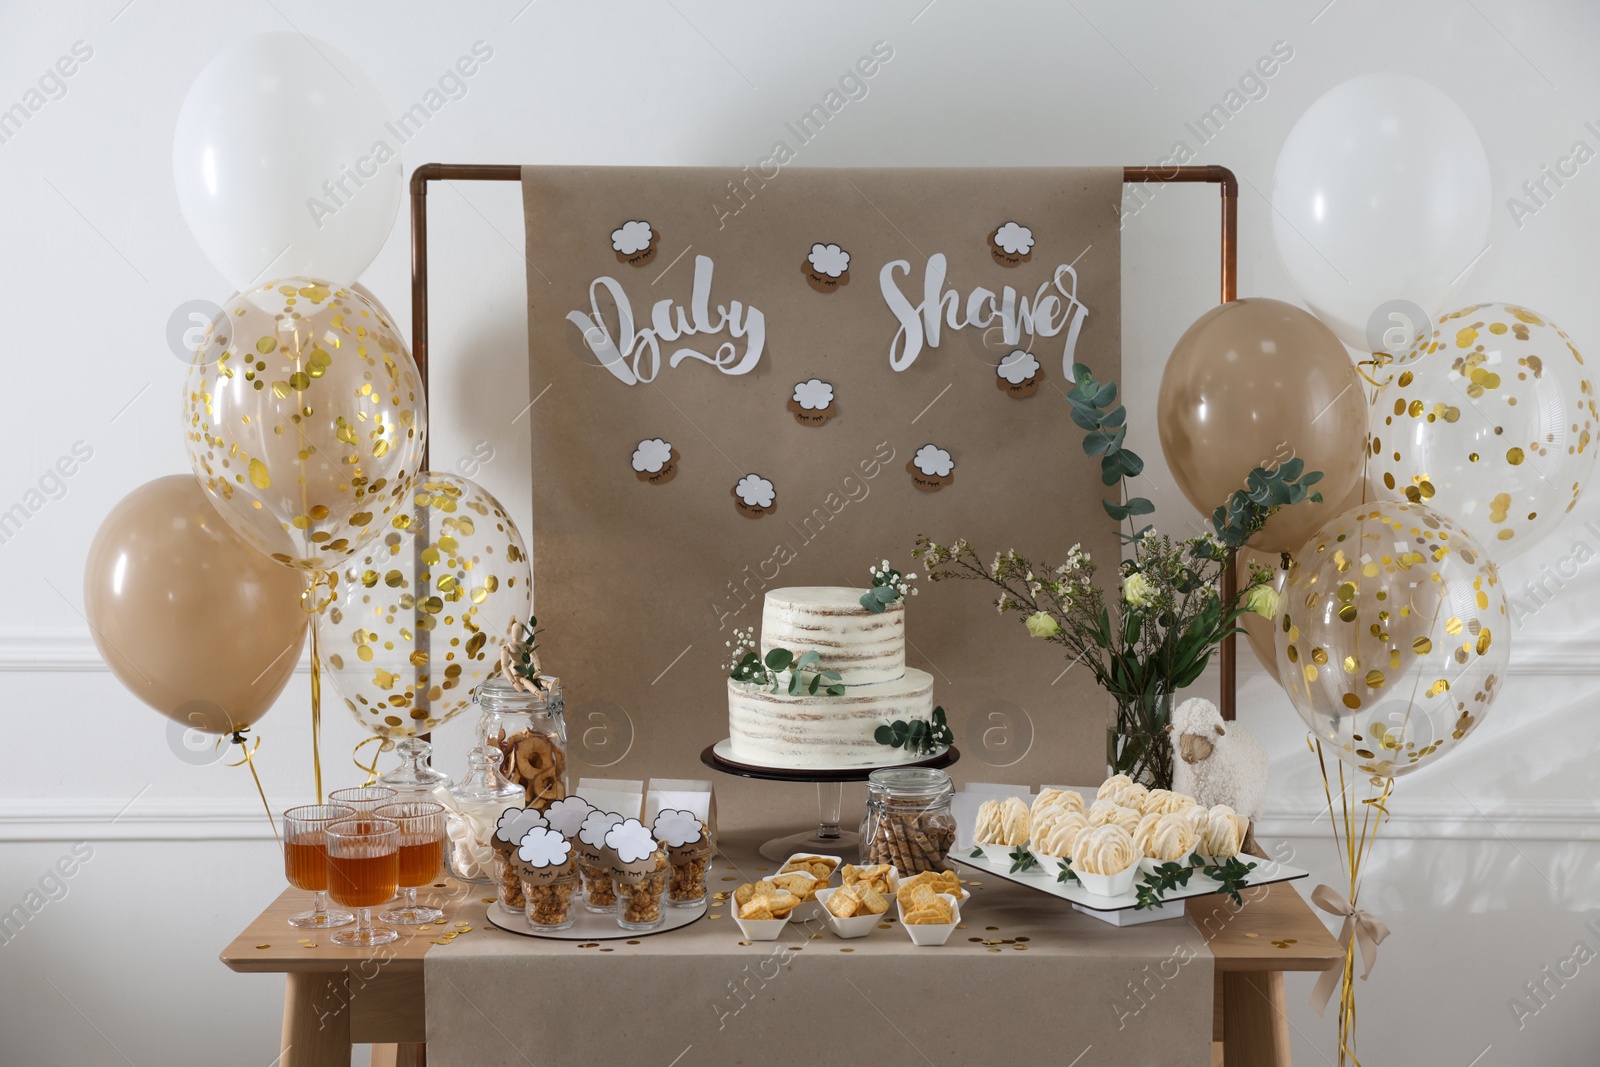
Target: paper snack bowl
{"points": [[1050, 865], [856, 926], [929, 934], [760, 929], [994, 853], [1108, 885]]}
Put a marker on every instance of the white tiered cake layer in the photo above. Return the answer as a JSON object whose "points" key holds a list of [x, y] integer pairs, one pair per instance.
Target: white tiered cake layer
{"points": [[864, 648], [821, 732]]}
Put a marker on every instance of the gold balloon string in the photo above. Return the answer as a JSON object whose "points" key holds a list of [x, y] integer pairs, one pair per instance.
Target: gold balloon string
{"points": [[313, 605], [355, 756], [1357, 846], [248, 760]]}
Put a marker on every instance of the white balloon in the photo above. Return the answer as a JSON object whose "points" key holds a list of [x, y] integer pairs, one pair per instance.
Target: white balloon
{"points": [[1381, 202], [284, 162]]}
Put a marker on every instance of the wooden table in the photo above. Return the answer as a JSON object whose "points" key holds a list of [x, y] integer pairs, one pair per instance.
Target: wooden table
{"points": [[337, 996]]}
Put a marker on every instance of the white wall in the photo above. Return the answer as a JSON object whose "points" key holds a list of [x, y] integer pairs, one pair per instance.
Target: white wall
{"points": [[1488, 873]]}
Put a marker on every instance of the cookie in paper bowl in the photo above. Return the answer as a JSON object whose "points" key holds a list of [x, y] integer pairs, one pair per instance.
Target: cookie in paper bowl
{"points": [[762, 910], [853, 910], [921, 924], [906, 892], [804, 886]]}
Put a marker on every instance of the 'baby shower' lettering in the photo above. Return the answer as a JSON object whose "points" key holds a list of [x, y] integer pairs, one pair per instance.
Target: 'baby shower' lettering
{"points": [[1047, 314], [634, 355]]}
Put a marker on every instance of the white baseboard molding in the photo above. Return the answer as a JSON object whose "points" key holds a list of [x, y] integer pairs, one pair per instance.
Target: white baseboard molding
{"points": [[64, 652], [146, 819], [1444, 819], [239, 819], [69, 651]]}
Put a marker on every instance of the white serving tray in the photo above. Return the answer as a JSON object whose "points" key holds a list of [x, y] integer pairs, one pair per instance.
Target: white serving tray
{"points": [[724, 751], [1123, 910], [594, 925]]}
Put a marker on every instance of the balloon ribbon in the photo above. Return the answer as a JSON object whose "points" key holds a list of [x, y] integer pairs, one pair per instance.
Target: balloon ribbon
{"points": [[248, 749], [310, 604], [1362, 931]]}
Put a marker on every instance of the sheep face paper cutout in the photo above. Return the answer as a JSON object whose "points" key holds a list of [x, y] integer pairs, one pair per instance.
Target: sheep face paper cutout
{"points": [[681, 832], [633, 850], [1011, 244], [811, 403], [655, 461], [635, 242], [826, 267], [1019, 374], [755, 496], [543, 855], [931, 468]]}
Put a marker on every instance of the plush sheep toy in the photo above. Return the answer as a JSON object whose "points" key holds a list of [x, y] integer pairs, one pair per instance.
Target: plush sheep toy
{"points": [[1217, 763]]}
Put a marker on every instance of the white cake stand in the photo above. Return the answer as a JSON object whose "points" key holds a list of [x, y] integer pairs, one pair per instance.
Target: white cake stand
{"points": [[828, 839]]}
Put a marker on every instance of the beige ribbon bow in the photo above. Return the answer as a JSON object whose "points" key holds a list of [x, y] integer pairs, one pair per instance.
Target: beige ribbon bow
{"points": [[1368, 931]]}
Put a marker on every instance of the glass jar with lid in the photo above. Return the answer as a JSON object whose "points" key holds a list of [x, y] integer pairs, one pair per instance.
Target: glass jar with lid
{"points": [[909, 822], [474, 805], [527, 728], [415, 778]]}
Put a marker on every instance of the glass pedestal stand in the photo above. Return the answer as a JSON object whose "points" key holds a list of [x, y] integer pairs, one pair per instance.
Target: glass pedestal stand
{"points": [[828, 838]]}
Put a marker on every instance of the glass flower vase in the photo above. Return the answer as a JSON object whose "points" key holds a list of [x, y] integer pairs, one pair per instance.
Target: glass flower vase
{"points": [[1140, 744]]}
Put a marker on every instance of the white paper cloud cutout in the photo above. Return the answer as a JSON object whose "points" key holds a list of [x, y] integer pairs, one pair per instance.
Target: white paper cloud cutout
{"points": [[1018, 367], [829, 259], [813, 394], [651, 455], [630, 840], [1014, 238], [544, 847], [756, 491], [514, 822], [675, 827], [566, 815], [933, 461], [631, 237], [595, 826]]}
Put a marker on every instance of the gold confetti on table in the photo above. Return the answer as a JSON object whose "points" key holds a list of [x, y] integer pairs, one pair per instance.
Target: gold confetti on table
{"points": [[991, 928], [847, 950], [487, 900], [263, 946], [1252, 935], [742, 942], [992, 950], [608, 950], [438, 922], [635, 942]]}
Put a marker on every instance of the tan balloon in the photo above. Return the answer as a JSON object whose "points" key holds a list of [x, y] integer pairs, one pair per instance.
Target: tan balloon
{"points": [[194, 621], [417, 622], [1393, 637], [305, 420], [1254, 383]]}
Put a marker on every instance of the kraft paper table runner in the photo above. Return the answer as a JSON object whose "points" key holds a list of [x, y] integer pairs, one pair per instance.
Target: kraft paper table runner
{"points": [[667, 346], [1137, 995]]}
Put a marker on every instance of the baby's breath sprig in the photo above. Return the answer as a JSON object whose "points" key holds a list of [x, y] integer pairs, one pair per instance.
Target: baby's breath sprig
{"points": [[889, 587]]}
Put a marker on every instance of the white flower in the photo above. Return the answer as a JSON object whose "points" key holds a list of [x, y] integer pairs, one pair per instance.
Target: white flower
{"points": [[1262, 599], [1014, 238], [829, 259], [651, 455], [632, 237], [933, 461], [813, 394], [756, 491], [1018, 367], [1138, 590]]}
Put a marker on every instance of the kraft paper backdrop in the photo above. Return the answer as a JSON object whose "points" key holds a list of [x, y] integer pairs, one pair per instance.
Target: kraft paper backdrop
{"points": [[639, 585]]}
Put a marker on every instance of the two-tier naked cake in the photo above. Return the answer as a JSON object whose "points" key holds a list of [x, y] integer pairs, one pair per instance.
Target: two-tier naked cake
{"points": [[822, 731]]}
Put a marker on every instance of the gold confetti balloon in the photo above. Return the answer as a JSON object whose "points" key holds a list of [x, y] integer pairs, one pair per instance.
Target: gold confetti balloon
{"points": [[417, 622], [1392, 635], [305, 420], [1492, 421]]}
